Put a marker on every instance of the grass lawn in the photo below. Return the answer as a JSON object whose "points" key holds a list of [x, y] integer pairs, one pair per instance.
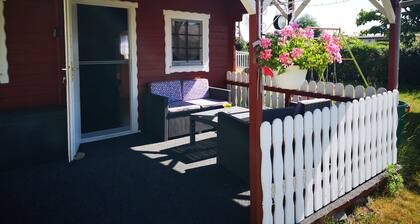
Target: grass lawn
{"points": [[404, 207]]}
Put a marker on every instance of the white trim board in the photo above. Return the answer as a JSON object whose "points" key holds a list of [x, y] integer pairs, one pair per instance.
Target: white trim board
{"points": [[204, 18], [4, 77]]}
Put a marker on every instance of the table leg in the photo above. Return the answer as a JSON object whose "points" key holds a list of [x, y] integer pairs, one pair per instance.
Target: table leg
{"points": [[192, 131]]}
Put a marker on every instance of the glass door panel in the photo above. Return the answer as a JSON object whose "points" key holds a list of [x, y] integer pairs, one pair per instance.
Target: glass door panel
{"points": [[104, 69]]}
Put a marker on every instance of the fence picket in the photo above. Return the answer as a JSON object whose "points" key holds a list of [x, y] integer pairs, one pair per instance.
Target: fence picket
{"points": [[245, 79], [360, 91], [368, 164], [326, 152], [329, 88], [370, 91], [267, 94], [349, 140], [239, 90], [233, 90], [349, 91], [355, 148], [341, 148], [381, 90], [374, 137], [389, 126], [289, 210], [320, 88], [312, 86], [266, 172], [317, 159], [334, 152], [362, 137], [379, 134], [278, 171], [394, 126], [309, 181], [339, 89], [300, 205], [384, 130]]}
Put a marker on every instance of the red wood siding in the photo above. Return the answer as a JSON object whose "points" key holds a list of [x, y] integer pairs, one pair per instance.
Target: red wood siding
{"points": [[151, 34], [34, 55]]}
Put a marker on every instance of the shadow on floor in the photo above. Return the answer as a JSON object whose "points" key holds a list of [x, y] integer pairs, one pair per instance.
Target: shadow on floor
{"points": [[125, 181]]}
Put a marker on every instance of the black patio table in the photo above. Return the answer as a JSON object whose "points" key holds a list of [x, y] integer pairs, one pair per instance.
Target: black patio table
{"points": [[209, 117]]}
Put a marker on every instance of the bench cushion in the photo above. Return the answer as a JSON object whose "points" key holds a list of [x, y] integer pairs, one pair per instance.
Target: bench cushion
{"points": [[206, 103], [169, 89], [195, 89], [179, 106]]}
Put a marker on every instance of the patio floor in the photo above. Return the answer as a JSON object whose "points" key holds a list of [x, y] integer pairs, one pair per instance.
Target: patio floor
{"points": [[125, 181]]}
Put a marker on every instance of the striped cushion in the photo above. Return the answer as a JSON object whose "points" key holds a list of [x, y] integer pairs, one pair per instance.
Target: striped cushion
{"points": [[195, 89], [169, 89]]}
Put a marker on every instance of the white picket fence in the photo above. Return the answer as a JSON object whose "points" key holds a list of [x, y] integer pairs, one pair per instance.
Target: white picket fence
{"points": [[310, 161], [242, 59], [239, 94]]}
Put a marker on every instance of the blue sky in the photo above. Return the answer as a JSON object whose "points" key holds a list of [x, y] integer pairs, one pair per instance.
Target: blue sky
{"points": [[341, 15]]}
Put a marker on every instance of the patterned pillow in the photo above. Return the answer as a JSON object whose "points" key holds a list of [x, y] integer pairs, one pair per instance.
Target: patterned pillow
{"points": [[169, 89], [195, 89]]}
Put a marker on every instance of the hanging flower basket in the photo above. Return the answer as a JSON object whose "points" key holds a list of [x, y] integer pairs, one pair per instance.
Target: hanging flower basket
{"points": [[292, 50]]}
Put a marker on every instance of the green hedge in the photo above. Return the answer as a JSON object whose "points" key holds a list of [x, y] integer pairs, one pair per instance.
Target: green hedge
{"points": [[373, 61]]}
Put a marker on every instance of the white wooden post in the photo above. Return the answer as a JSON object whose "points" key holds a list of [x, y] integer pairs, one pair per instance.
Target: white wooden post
{"points": [[355, 148], [374, 136], [341, 148], [368, 164], [362, 137], [349, 141], [395, 126]]}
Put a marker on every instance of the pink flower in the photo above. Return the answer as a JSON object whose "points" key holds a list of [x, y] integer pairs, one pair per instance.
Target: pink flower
{"points": [[265, 43], [284, 59], [338, 58], [287, 31], [265, 55], [295, 26], [267, 71], [308, 33], [297, 53], [326, 37]]}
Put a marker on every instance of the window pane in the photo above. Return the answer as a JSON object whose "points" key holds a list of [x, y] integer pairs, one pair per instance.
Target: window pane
{"points": [[194, 27], [179, 41], [179, 27], [194, 54], [179, 54], [194, 42]]}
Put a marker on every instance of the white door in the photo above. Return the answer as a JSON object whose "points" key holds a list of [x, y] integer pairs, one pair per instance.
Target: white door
{"points": [[86, 120], [73, 82]]}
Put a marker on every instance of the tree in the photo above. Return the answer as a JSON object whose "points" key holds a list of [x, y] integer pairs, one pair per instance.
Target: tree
{"points": [[307, 20], [410, 23]]}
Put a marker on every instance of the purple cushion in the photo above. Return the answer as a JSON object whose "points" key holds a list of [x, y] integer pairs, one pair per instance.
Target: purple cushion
{"points": [[179, 106], [169, 89], [195, 89]]}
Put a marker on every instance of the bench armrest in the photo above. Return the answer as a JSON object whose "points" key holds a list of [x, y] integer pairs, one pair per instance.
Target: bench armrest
{"points": [[154, 117], [219, 94]]}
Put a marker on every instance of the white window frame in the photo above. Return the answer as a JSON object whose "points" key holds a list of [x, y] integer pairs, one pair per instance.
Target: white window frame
{"points": [[169, 15], [4, 78]]}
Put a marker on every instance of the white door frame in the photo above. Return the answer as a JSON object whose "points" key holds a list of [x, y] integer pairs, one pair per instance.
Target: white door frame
{"points": [[72, 67]]}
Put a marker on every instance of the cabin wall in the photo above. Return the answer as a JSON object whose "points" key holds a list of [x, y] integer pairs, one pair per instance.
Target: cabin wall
{"points": [[35, 48], [151, 34]]}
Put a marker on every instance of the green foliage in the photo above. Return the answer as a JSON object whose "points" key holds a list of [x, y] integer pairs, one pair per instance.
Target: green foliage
{"points": [[394, 180], [410, 23], [373, 61], [241, 45]]}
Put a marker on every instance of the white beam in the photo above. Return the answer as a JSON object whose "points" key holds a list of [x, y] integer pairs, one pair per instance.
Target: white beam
{"points": [[279, 7], [378, 6], [389, 11], [300, 9], [249, 6]]}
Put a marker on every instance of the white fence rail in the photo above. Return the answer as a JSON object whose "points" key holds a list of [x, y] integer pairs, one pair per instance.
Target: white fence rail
{"points": [[312, 160], [242, 59], [277, 100]]}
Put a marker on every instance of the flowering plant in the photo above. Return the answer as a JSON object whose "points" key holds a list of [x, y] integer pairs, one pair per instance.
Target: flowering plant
{"points": [[293, 45]]}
